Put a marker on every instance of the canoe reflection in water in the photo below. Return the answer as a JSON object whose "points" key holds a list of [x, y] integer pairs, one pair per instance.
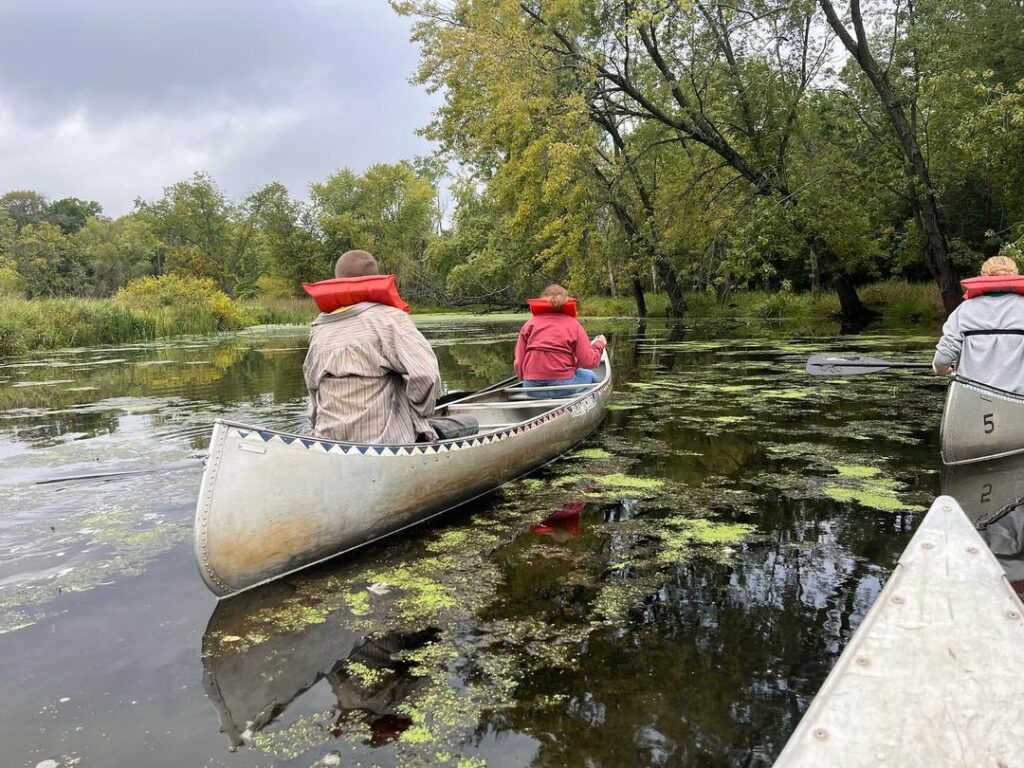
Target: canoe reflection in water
{"points": [[252, 674], [992, 495], [563, 524]]}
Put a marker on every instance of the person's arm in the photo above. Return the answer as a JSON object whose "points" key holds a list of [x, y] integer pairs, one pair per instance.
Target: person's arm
{"points": [[409, 354], [587, 355], [520, 358], [947, 351], [312, 378]]}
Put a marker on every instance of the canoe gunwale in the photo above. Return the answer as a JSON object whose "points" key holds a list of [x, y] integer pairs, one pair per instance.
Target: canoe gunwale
{"points": [[601, 394]]}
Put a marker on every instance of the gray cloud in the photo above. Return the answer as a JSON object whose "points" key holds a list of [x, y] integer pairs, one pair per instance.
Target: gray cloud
{"points": [[117, 99]]}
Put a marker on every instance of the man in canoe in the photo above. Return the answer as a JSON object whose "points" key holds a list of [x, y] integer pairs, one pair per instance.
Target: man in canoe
{"points": [[372, 377], [983, 338]]}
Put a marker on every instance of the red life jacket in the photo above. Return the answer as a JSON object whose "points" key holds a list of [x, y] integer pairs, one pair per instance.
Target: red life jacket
{"points": [[979, 286], [339, 292], [544, 306]]}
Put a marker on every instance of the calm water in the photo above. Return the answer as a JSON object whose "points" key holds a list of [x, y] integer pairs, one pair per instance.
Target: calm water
{"points": [[672, 594]]}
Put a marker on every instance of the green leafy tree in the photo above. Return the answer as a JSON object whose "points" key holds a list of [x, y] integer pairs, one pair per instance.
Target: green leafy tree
{"points": [[71, 214], [286, 243], [194, 220], [48, 263], [24, 207], [117, 251], [389, 210]]}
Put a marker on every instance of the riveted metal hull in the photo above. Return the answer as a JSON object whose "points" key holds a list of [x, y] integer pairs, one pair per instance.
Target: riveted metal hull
{"points": [[934, 675], [271, 503], [980, 422]]}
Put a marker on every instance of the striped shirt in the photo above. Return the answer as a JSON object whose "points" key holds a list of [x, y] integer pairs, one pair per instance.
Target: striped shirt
{"points": [[372, 377]]}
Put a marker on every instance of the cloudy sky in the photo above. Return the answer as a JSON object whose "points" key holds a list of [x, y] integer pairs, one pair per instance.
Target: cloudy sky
{"points": [[112, 99]]}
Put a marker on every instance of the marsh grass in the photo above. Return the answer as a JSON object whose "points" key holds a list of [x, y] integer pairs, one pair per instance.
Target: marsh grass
{"points": [[52, 323]]}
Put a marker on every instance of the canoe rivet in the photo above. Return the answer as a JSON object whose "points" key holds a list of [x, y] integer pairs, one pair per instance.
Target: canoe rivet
{"points": [[898, 599], [972, 550], [1012, 615], [927, 545], [820, 734], [862, 661], [946, 508]]}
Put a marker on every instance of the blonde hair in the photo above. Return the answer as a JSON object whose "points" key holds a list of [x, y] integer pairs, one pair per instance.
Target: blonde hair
{"points": [[557, 294], [999, 265]]}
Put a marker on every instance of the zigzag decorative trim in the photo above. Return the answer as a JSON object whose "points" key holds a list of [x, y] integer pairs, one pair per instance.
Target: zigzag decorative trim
{"points": [[576, 408]]}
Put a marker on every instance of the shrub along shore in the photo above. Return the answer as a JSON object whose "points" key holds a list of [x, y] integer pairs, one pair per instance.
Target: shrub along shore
{"points": [[153, 308]]}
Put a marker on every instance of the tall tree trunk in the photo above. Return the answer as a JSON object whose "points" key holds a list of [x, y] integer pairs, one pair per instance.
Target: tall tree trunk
{"points": [[852, 311], [638, 294], [926, 209], [676, 299]]}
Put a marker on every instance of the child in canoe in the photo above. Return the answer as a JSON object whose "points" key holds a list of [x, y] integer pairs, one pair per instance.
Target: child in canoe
{"points": [[553, 348]]}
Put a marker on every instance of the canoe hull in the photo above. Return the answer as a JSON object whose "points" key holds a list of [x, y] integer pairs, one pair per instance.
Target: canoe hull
{"points": [[980, 422], [272, 503], [934, 675]]}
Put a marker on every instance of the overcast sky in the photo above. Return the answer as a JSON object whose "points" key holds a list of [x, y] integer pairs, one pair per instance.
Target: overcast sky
{"points": [[112, 99]]}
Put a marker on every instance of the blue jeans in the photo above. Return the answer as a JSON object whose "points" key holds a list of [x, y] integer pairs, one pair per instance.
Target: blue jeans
{"points": [[583, 376]]}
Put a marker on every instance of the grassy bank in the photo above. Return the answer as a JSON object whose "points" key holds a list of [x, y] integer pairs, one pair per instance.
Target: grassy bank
{"points": [[150, 310]]}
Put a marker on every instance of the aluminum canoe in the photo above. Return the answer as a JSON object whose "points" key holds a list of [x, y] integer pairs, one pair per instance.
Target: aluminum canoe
{"points": [[980, 422], [271, 503], [934, 675]]}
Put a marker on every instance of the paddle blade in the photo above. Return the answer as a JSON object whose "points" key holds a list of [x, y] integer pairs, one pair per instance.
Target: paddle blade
{"points": [[834, 365]]}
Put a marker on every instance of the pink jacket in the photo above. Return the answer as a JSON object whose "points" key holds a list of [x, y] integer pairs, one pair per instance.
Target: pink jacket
{"points": [[552, 346]]}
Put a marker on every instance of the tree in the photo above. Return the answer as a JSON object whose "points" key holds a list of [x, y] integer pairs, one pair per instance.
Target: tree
{"points": [[24, 207], [724, 78], [117, 251], [196, 223], [926, 209], [71, 214], [286, 246], [10, 279], [48, 263], [389, 210]]}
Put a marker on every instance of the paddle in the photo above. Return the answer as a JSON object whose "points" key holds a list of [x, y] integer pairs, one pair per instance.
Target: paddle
{"points": [[833, 365], [453, 395]]}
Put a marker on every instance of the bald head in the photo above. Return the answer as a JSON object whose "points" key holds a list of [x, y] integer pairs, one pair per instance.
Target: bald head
{"points": [[355, 264]]}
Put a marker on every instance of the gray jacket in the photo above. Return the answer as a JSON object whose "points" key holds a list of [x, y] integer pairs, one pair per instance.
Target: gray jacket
{"points": [[969, 342]]}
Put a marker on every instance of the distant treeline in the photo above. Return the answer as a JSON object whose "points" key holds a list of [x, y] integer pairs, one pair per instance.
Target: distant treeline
{"points": [[266, 244]]}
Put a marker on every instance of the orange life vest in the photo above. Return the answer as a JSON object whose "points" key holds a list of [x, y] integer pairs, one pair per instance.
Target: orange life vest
{"points": [[544, 306], [979, 286], [339, 292]]}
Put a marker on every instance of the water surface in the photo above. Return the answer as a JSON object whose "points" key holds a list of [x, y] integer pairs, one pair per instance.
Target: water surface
{"points": [[671, 594]]}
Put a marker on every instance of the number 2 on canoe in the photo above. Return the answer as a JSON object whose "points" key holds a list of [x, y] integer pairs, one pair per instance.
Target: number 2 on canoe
{"points": [[986, 493]]}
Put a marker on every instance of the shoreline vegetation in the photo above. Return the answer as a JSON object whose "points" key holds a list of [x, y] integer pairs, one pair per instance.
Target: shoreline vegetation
{"points": [[152, 308]]}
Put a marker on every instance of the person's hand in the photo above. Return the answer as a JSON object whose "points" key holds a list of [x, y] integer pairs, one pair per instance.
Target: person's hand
{"points": [[599, 339], [942, 370]]}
